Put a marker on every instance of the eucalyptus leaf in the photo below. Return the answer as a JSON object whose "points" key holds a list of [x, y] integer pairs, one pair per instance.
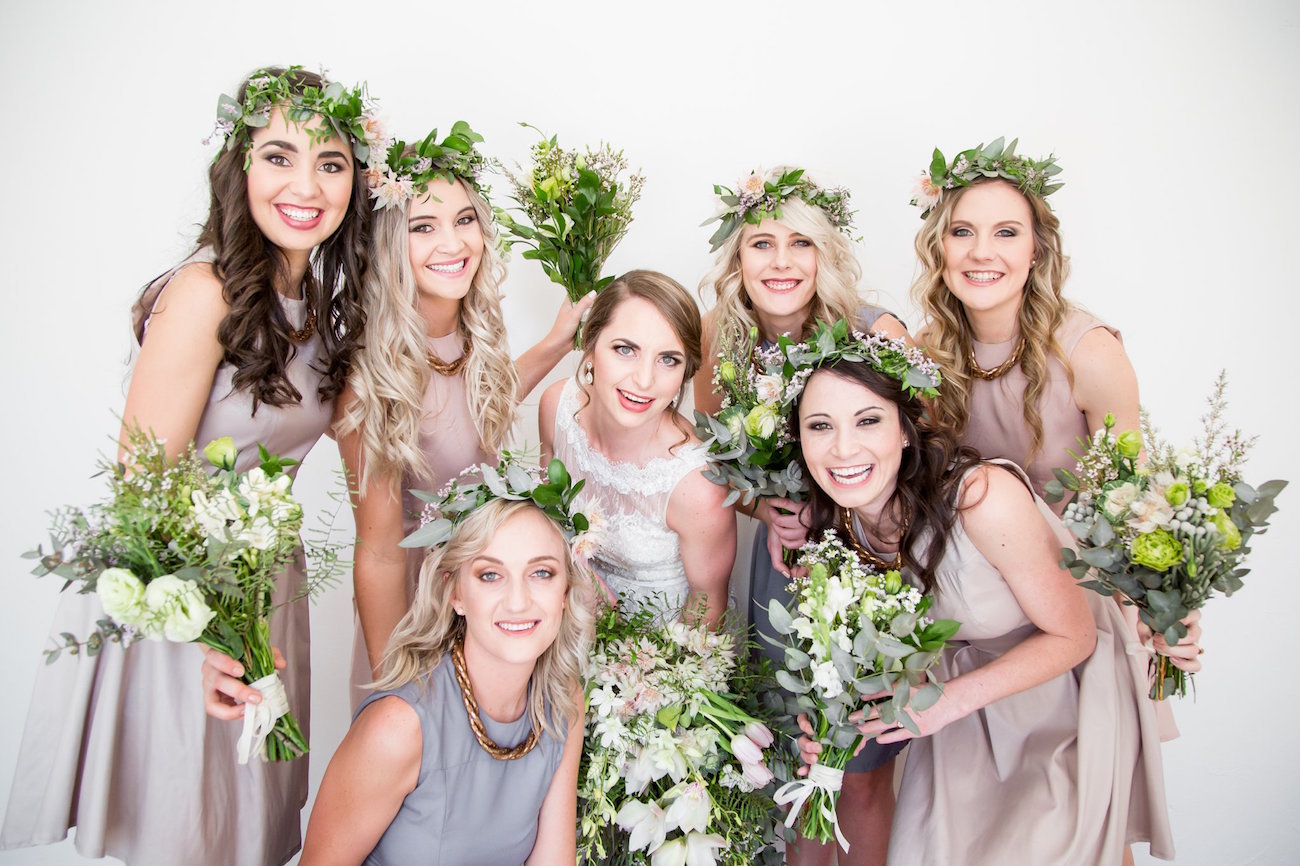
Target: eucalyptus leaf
{"points": [[791, 684], [779, 617]]}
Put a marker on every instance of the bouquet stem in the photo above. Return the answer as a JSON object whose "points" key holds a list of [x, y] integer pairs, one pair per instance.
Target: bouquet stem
{"points": [[1166, 679], [286, 740]]}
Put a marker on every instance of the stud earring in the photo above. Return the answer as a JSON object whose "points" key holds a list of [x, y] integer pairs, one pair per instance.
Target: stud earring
{"points": [[588, 377]]}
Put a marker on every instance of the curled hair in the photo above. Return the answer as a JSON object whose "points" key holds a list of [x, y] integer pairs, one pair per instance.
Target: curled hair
{"points": [[836, 289], [672, 301], [391, 370], [254, 334], [948, 336], [929, 479], [432, 626]]}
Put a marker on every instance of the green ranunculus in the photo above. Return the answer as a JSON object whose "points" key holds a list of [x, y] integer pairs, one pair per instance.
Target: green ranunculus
{"points": [[1221, 495], [1129, 443], [727, 371], [221, 452], [761, 421], [1199, 487], [1157, 550], [1230, 535], [1177, 493], [893, 582]]}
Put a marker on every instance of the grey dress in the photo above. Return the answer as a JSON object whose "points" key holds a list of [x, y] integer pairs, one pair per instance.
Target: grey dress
{"points": [[467, 808], [766, 585], [118, 744]]}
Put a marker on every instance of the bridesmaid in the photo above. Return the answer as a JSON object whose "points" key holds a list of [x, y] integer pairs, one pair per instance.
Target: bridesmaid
{"points": [[249, 337], [481, 696], [433, 389], [784, 261], [1043, 746], [616, 425], [1026, 372]]}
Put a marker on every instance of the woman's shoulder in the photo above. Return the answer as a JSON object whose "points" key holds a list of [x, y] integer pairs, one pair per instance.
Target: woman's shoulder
{"points": [[1080, 329]]}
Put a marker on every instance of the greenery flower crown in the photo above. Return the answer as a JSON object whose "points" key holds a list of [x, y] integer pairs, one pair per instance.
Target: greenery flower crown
{"points": [[760, 195], [348, 113], [399, 174], [1030, 176], [552, 490], [895, 358]]}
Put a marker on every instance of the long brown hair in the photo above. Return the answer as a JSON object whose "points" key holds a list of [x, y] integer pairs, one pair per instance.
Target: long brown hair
{"points": [[929, 474], [254, 334]]}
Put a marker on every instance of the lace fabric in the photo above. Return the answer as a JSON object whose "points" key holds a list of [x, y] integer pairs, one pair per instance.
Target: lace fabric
{"points": [[638, 556]]}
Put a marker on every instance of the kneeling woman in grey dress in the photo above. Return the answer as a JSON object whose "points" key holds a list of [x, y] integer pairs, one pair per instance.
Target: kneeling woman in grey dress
{"points": [[468, 752]]}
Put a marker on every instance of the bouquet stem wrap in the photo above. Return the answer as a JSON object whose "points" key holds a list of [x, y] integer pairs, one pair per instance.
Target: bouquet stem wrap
{"points": [[822, 785], [260, 719]]}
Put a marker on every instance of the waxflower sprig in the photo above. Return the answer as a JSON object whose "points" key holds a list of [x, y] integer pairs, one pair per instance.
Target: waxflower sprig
{"points": [[402, 171], [676, 764], [997, 159], [850, 633], [349, 113], [759, 196], [185, 552], [576, 209], [1168, 534]]}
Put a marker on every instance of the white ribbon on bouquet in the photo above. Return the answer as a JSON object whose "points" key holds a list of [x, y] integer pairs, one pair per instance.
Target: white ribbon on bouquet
{"points": [[797, 792], [260, 719]]}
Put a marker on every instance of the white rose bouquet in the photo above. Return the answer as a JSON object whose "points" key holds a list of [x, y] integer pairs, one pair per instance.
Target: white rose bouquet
{"points": [[850, 633], [178, 554], [1167, 534], [673, 767]]}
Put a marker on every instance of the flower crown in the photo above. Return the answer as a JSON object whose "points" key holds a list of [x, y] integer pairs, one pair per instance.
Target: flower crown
{"points": [[1029, 175], [830, 343], [348, 114], [400, 173], [760, 195], [552, 490]]}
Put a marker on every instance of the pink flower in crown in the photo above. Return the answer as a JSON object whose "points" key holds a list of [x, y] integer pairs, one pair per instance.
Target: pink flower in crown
{"points": [[584, 544], [752, 185], [374, 174], [373, 128], [925, 194], [391, 191]]}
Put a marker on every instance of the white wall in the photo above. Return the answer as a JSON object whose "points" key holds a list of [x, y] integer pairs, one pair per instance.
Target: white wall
{"points": [[1175, 122]]}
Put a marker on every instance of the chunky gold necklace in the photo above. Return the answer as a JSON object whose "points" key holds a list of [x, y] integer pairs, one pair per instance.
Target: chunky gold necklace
{"points": [[881, 565], [451, 368], [308, 329], [990, 375], [476, 721]]}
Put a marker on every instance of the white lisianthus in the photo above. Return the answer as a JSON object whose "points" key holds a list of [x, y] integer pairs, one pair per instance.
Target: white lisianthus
{"points": [[122, 595], [690, 811], [769, 388], [217, 512], [1117, 500], [176, 608], [259, 534], [827, 680]]}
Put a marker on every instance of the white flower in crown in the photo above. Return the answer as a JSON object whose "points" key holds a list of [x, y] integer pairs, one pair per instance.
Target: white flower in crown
{"points": [[751, 186], [925, 194], [584, 544], [373, 128], [391, 191]]}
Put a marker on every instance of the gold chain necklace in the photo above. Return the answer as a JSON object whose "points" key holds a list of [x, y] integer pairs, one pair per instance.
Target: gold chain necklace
{"points": [[990, 375], [451, 368], [476, 721], [308, 329], [881, 565]]}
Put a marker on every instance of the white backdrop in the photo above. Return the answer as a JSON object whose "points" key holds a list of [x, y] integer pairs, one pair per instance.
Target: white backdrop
{"points": [[1175, 122]]}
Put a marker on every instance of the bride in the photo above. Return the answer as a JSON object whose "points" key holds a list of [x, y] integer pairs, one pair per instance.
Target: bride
{"points": [[616, 425]]}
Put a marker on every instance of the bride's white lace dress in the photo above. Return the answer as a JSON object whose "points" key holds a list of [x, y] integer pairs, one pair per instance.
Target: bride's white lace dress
{"points": [[637, 555]]}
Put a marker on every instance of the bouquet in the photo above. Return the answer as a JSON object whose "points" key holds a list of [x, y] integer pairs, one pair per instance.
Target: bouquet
{"points": [[578, 207], [672, 767], [1168, 534], [177, 554], [850, 633]]}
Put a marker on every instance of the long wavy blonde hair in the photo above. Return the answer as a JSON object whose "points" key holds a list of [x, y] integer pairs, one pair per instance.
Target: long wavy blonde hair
{"points": [[432, 626], [391, 372], [838, 275], [948, 336]]}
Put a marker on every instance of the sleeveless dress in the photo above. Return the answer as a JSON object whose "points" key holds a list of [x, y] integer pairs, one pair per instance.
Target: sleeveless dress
{"points": [[637, 554], [468, 808], [119, 746], [1067, 772], [997, 422], [767, 585], [450, 443]]}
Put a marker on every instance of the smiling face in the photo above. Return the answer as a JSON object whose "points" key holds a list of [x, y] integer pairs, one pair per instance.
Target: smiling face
{"points": [[988, 248], [512, 593], [445, 242], [638, 365], [778, 268], [298, 190], [852, 442]]}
